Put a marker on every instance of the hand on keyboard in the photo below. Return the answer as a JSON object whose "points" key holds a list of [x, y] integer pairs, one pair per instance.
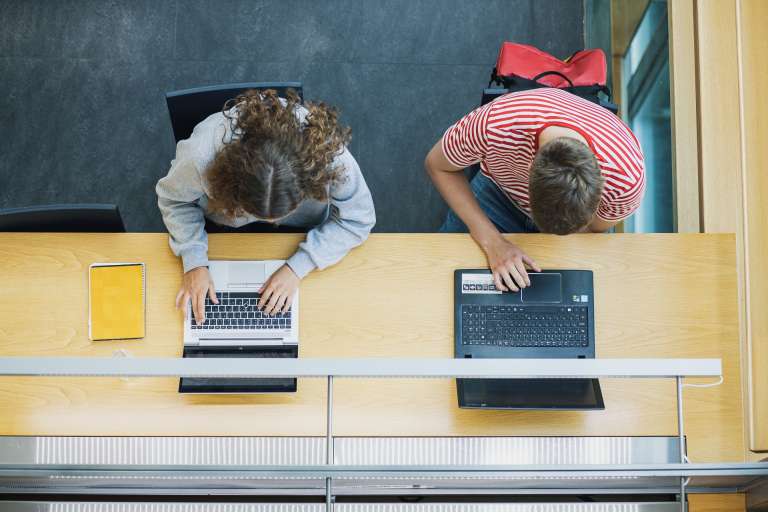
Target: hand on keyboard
{"points": [[195, 285], [278, 292], [507, 262], [237, 311]]}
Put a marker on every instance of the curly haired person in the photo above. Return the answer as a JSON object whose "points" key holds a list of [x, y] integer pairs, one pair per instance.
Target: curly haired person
{"points": [[265, 159]]}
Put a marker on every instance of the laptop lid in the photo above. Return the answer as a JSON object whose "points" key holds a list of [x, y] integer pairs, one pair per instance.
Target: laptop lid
{"points": [[239, 385], [535, 394]]}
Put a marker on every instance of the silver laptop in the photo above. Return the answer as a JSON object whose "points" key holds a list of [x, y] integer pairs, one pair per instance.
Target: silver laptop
{"points": [[236, 321], [236, 328]]}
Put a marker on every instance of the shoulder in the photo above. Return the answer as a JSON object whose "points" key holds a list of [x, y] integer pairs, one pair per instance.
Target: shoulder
{"points": [[349, 177], [206, 140], [618, 151], [622, 192], [346, 163]]}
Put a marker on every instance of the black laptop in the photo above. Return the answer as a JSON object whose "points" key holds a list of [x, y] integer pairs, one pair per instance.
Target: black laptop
{"points": [[552, 318]]}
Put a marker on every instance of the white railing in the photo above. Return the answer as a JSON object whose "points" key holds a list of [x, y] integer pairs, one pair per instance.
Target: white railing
{"points": [[371, 367]]}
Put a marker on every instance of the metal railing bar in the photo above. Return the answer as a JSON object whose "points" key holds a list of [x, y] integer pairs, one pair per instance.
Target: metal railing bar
{"points": [[339, 471], [363, 368]]}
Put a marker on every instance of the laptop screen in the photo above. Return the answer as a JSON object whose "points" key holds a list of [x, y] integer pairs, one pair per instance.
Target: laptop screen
{"points": [[239, 385], [530, 393]]}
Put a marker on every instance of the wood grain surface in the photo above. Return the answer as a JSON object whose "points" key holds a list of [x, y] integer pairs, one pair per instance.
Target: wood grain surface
{"points": [[656, 296], [716, 503], [754, 48]]}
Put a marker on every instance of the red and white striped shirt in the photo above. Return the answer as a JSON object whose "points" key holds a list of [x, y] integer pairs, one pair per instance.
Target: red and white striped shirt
{"points": [[503, 136]]}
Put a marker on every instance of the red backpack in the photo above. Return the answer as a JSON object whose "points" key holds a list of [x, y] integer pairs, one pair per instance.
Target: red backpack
{"points": [[521, 67]]}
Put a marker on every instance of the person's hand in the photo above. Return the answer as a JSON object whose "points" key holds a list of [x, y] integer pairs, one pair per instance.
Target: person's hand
{"points": [[277, 293], [194, 286], [508, 262]]}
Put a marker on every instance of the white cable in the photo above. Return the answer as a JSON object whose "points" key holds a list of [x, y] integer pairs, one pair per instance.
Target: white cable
{"points": [[710, 385], [688, 479]]}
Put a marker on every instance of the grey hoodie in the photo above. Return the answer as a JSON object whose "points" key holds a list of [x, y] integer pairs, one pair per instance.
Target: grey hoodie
{"points": [[338, 225]]}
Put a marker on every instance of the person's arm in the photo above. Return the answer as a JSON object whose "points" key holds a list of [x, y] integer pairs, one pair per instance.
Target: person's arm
{"points": [[351, 219], [178, 196], [506, 260]]}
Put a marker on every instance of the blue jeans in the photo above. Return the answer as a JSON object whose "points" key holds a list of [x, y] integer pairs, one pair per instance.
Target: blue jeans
{"points": [[504, 214]]}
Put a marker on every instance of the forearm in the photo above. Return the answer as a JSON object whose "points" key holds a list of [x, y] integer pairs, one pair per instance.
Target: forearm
{"points": [[455, 189], [328, 244], [178, 197], [352, 216], [185, 223]]}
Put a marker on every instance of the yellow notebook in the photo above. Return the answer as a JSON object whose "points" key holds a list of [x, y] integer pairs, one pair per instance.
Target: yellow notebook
{"points": [[116, 301]]}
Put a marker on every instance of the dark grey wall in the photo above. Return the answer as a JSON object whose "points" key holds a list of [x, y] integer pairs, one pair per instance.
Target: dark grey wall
{"points": [[597, 30], [82, 111]]}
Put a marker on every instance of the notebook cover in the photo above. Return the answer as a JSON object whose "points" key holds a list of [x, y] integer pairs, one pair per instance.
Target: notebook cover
{"points": [[116, 301]]}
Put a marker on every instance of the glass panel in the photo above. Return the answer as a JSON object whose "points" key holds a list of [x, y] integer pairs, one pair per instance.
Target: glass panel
{"points": [[646, 107], [652, 126], [644, 34]]}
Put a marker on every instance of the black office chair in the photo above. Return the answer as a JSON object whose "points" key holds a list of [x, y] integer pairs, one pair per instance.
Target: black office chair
{"points": [[63, 218], [190, 106]]}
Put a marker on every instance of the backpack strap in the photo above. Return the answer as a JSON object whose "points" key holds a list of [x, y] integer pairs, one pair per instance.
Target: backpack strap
{"points": [[548, 73]]}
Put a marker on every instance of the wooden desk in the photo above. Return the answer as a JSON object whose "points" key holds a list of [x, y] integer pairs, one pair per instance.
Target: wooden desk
{"points": [[656, 296]]}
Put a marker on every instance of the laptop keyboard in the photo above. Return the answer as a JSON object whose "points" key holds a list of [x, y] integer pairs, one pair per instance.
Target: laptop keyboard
{"points": [[237, 311], [524, 326]]}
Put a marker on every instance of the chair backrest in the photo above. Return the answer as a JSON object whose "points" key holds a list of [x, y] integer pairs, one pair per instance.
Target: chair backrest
{"points": [[63, 218], [190, 106]]}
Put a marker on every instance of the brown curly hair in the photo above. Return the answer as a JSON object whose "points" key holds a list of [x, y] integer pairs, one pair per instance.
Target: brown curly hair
{"points": [[272, 162]]}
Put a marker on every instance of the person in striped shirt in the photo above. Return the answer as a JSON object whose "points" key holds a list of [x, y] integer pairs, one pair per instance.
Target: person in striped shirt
{"points": [[550, 162]]}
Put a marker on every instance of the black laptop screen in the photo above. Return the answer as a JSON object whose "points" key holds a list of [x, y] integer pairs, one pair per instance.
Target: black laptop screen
{"points": [[530, 393], [239, 385]]}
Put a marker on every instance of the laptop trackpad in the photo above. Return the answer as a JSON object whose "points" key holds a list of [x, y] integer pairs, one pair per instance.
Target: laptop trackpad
{"points": [[245, 273], [545, 287]]}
